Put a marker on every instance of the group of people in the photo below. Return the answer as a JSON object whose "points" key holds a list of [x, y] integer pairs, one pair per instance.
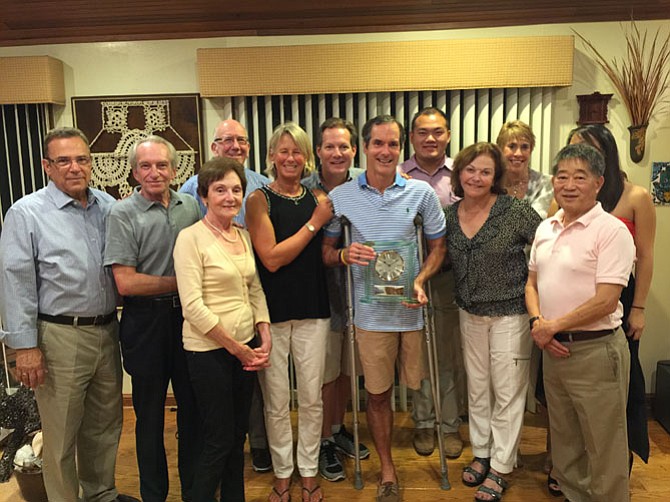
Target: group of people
{"points": [[219, 288]]}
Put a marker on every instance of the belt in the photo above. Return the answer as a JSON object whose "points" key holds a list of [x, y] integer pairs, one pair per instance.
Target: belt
{"points": [[166, 300], [99, 320], [582, 336]]}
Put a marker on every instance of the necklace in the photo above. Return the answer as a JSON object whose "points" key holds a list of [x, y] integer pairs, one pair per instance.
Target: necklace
{"points": [[221, 233], [518, 188], [293, 198]]}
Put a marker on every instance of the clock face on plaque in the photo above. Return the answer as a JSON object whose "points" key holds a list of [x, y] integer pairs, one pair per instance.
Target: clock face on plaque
{"points": [[389, 266]]}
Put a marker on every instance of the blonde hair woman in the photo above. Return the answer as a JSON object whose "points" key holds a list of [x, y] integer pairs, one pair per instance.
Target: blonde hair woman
{"points": [[285, 219]]}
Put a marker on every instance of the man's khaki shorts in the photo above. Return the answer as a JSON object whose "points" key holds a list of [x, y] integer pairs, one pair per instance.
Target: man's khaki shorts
{"points": [[379, 350]]}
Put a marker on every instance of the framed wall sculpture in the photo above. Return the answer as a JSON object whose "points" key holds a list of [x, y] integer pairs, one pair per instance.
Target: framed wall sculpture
{"points": [[113, 123]]}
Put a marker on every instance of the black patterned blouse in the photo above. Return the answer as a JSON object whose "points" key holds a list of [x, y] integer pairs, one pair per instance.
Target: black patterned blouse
{"points": [[490, 269]]}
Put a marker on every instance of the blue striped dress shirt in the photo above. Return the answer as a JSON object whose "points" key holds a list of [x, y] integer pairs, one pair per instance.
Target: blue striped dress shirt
{"points": [[51, 251]]}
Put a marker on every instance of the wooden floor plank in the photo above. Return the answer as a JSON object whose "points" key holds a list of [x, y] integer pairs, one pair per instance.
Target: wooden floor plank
{"points": [[419, 476]]}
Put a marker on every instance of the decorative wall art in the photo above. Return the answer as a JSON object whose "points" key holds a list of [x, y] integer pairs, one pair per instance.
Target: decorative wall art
{"points": [[660, 183], [113, 123]]}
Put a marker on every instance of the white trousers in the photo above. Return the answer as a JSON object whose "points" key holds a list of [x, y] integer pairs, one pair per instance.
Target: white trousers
{"points": [[305, 340], [496, 353]]}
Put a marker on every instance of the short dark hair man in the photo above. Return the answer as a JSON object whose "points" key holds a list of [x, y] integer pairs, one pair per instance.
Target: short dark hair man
{"points": [[336, 149], [430, 136], [381, 206], [141, 233], [580, 261], [58, 307]]}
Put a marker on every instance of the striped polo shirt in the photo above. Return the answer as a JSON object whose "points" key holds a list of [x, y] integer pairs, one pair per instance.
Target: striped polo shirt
{"points": [[387, 216]]}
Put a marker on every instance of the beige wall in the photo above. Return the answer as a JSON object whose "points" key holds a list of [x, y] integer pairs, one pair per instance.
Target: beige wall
{"points": [[156, 67]]}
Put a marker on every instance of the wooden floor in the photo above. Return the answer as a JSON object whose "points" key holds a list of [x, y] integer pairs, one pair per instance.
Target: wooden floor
{"points": [[419, 476]]}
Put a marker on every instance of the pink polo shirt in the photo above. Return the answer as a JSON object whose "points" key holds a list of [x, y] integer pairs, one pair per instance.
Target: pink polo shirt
{"points": [[570, 261], [440, 180]]}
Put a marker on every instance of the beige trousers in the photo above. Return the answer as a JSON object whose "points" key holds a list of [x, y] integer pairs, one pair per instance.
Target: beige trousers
{"points": [[306, 341], [586, 397], [80, 405]]}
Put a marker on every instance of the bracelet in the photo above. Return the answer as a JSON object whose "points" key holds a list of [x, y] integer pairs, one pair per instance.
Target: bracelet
{"points": [[637, 307], [342, 260]]}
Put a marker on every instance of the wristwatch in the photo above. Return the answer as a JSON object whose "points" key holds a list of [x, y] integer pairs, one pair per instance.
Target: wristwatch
{"points": [[310, 227], [532, 320]]}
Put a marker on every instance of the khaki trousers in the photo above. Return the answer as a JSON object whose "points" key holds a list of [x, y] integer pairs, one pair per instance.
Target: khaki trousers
{"points": [[586, 397], [451, 371], [81, 410]]}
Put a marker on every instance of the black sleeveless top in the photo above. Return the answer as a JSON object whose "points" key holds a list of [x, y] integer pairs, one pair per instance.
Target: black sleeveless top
{"points": [[297, 290]]}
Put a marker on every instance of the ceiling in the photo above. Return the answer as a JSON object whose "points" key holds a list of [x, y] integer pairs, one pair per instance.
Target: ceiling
{"points": [[30, 22]]}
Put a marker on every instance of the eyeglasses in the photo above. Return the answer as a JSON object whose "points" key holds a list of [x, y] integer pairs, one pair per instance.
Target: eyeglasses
{"points": [[63, 162], [230, 140]]}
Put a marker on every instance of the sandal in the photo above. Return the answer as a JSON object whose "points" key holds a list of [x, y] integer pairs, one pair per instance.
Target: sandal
{"points": [[496, 496], [477, 476], [280, 494], [310, 494], [553, 487]]}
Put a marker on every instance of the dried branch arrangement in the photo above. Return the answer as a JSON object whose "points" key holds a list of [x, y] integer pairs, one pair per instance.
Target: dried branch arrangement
{"points": [[642, 78]]}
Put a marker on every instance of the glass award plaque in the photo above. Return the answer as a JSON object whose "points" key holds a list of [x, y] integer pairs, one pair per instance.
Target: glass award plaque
{"points": [[390, 276]]}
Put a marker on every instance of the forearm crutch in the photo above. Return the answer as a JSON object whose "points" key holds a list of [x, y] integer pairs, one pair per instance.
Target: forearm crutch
{"points": [[431, 346], [349, 289]]}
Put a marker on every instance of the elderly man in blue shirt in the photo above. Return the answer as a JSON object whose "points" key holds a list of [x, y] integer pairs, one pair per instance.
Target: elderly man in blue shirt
{"points": [[230, 140], [58, 307]]}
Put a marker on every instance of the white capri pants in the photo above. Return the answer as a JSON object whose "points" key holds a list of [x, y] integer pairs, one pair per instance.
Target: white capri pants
{"points": [[496, 354]]}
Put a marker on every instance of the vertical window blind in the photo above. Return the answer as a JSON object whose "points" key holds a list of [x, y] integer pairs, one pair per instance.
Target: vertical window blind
{"points": [[21, 173], [475, 115]]}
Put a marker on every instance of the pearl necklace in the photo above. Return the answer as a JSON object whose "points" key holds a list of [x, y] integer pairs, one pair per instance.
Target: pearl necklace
{"points": [[221, 233]]}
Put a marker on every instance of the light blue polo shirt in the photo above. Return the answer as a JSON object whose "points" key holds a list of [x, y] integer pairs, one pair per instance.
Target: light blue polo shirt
{"points": [[387, 216]]}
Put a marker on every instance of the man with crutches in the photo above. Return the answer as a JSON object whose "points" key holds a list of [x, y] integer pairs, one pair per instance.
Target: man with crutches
{"points": [[381, 207], [429, 135]]}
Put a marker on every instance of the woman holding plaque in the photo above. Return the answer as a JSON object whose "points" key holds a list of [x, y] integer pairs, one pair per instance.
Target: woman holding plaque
{"points": [[487, 232], [285, 219]]}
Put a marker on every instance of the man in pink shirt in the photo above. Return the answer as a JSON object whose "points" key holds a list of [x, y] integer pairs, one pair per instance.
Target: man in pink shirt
{"points": [[429, 135], [580, 261]]}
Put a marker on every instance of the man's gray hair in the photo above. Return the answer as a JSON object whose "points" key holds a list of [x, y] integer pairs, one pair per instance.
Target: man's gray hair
{"points": [[63, 133], [585, 153], [381, 120], [172, 153]]}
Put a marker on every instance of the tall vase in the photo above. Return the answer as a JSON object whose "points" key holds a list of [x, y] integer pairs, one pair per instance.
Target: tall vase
{"points": [[637, 140]]}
